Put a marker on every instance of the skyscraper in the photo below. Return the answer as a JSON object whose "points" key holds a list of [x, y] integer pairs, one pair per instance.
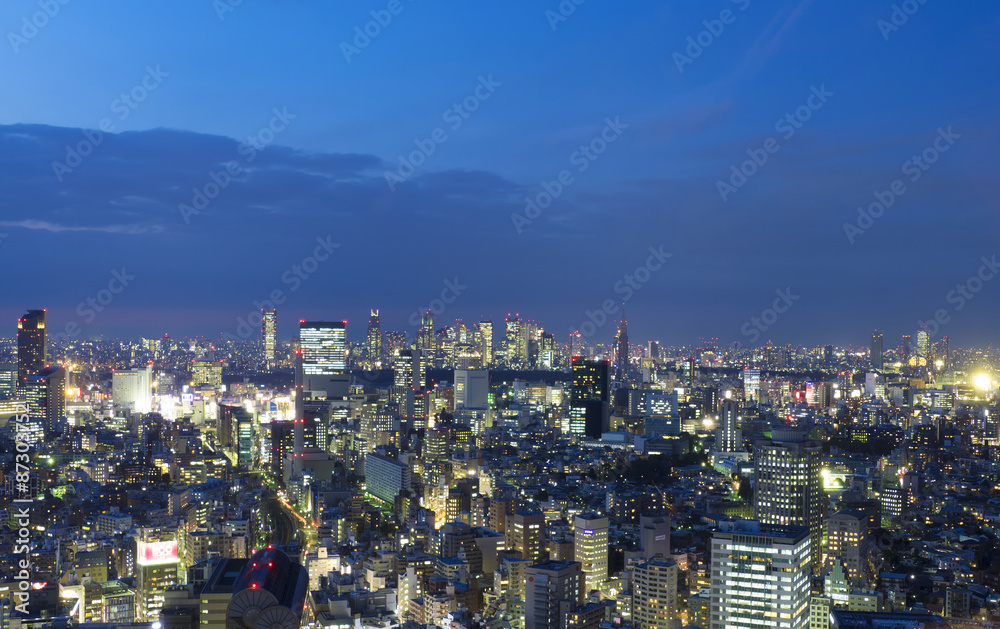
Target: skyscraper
{"points": [[486, 342], [472, 388], [729, 436], [923, 346], [269, 336], [526, 532], [324, 358], [31, 336], [789, 488], [590, 548], [590, 397], [875, 352], [512, 341], [45, 392], [907, 348], [374, 345], [751, 384], [760, 576], [621, 349], [426, 339]]}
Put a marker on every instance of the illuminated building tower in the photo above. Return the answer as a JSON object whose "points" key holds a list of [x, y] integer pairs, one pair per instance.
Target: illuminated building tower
{"points": [[374, 341], [689, 373], [654, 350], [486, 342], [269, 336], [621, 349], [552, 589], [426, 338], [45, 392], [472, 388], [751, 384], [575, 344], [662, 414], [590, 397], [156, 570], [848, 542], [789, 486], [269, 592], [512, 341], [590, 549], [324, 359], [923, 346], [526, 532], [654, 594], [760, 576], [907, 348], [31, 337], [943, 352], [875, 352], [133, 389], [392, 342], [729, 436]]}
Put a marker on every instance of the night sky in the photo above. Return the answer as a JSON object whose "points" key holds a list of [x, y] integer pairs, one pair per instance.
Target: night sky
{"points": [[290, 117]]}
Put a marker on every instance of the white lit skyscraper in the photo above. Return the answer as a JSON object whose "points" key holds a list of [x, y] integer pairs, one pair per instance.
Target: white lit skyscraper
{"points": [[590, 548], [324, 358], [788, 488], [486, 342], [269, 336], [374, 344], [760, 576], [729, 436]]}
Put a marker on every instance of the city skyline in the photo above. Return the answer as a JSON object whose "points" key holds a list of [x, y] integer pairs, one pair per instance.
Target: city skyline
{"points": [[288, 157]]}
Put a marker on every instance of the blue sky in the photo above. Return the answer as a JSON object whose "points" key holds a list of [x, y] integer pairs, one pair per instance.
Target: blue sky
{"points": [[211, 82]]}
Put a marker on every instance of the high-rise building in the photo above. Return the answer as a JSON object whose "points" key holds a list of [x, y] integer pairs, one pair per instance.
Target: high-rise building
{"points": [[654, 535], [907, 348], [45, 392], [526, 533], [662, 414], [654, 593], [923, 346], [688, 369], [486, 342], [156, 568], [133, 389], [512, 341], [760, 576], [374, 345], [622, 349], [848, 542], [751, 384], [8, 380], [426, 338], [552, 589], [788, 487], [875, 355], [472, 388], [269, 336], [590, 397], [590, 549], [729, 436], [324, 358], [31, 336]]}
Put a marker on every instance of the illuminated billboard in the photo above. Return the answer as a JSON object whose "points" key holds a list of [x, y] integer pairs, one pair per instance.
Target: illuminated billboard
{"points": [[155, 553]]}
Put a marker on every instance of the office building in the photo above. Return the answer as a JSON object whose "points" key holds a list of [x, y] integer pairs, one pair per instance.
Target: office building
{"points": [[269, 336], [206, 372], [590, 397], [875, 355], [486, 342], [663, 416], [373, 346], [751, 384], [622, 366], [31, 337], [526, 534], [789, 487], [472, 388], [654, 593], [156, 570], [760, 576], [923, 346], [385, 477], [45, 392], [848, 542], [590, 549], [132, 389], [552, 589], [324, 359], [729, 436], [654, 535]]}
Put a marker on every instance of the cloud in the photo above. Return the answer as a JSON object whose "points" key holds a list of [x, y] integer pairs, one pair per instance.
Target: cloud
{"points": [[54, 227]]}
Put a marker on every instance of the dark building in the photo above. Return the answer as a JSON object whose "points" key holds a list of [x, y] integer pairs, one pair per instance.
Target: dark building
{"points": [[269, 592], [590, 397], [45, 392], [876, 350], [30, 346]]}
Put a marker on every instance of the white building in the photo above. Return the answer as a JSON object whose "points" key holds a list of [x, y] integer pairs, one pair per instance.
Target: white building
{"points": [[472, 387], [760, 576], [590, 548], [654, 593], [133, 388]]}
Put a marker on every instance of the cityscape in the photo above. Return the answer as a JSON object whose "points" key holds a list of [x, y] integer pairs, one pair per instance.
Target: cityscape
{"points": [[562, 314]]}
